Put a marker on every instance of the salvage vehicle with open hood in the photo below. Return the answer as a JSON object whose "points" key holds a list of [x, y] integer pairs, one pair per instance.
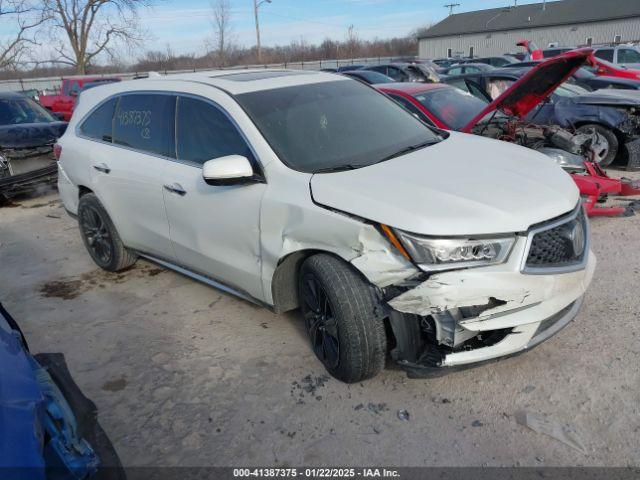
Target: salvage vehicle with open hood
{"points": [[504, 118], [27, 135], [297, 189], [613, 113]]}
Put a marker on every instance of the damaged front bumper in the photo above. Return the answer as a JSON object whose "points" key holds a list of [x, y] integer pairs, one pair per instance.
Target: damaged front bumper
{"points": [[22, 171], [463, 318]]}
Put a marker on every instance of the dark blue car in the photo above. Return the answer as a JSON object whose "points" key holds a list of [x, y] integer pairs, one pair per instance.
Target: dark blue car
{"points": [[27, 135], [48, 429]]}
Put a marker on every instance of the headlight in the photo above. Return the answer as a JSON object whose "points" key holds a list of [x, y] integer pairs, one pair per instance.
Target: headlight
{"points": [[568, 161], [445, 254]]}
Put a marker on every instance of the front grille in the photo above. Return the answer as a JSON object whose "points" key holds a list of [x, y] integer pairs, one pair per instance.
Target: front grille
{"points": [[559, 245]]}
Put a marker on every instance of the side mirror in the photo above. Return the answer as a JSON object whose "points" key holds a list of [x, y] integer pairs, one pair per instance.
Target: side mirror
{"points": [[229, 170]]}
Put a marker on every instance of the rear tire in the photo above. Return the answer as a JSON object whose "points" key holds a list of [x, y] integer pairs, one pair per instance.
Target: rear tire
{"points": [[610, 144], [100, 236], [341, 313]]}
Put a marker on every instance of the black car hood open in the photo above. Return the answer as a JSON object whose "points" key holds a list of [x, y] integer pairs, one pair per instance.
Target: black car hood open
{"points": [[30, 135], [610, 97], [534, 86]]}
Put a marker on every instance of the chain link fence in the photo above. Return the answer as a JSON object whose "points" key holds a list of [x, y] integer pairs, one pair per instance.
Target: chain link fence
{"points": [[52, 84]]}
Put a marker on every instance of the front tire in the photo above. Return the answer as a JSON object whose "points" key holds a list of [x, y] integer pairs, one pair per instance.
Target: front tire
{"points": [[608, 146], [342, 318], [100, 236]]}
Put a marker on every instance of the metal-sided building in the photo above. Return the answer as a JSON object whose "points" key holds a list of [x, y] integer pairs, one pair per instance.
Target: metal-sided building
{"points": [[565, 22]]}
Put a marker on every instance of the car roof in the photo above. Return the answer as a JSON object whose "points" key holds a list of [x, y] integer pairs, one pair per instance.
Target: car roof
{"points": [[11, 95], [411, 88], [241, 81], [471, 64]]}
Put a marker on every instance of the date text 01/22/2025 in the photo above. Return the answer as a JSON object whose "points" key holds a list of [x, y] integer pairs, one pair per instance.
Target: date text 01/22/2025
{"points": [[316, 472]]}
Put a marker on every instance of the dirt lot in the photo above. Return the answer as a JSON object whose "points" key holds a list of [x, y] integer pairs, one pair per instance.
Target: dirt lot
{"points": [[186, 375]]}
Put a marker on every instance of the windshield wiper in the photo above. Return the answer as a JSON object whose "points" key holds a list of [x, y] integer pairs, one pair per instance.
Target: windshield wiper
{"points": [[336, 168], [410, 148]]}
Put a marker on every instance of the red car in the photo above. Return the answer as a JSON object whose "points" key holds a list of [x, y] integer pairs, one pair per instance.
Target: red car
{"points": [[450, 108], [63, 102]]}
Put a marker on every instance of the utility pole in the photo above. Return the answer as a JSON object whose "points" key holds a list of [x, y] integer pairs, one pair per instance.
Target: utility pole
{"points": [[450, 7], [256, 5]]}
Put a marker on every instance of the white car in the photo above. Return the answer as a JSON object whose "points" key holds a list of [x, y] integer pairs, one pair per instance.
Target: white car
{"points": [[309, 190]]}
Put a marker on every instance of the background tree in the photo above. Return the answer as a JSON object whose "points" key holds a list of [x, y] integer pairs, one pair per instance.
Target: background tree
{"points": [[25, 16], [85, 29], [221, 25], [352, 42]]}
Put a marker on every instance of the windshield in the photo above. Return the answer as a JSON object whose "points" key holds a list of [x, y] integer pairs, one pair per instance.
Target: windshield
{"points": [[333, 125], [16, 111], [452, 106]]}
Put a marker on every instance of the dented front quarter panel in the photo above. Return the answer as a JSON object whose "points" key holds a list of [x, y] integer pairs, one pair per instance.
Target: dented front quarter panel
{"points": [[291, 222]]}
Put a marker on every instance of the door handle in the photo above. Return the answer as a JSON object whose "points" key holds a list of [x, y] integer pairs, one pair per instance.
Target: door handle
{"points": [[102, 168], [176, 188]]}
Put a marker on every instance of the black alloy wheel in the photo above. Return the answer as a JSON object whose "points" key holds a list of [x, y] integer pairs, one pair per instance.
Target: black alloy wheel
{"points": [[96, 233], [321, 324]]}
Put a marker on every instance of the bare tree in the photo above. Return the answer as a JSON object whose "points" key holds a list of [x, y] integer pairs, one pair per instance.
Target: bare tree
{"points": [[90, 28], [26, 16], [221, 24], [352, 41]]}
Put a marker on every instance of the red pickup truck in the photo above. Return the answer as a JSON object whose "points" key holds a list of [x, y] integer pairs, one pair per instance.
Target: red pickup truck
{"points": [[62, 103]]}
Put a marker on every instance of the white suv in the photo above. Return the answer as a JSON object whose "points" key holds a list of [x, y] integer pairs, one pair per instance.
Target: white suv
{"points": [[311, 190]]}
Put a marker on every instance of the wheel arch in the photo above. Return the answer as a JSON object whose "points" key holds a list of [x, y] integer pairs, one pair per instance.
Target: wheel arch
{"points": [[82, 190], [284, 283]]}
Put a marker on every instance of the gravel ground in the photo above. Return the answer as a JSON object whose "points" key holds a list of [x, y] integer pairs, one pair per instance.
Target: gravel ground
{"points": [[186, 375]]}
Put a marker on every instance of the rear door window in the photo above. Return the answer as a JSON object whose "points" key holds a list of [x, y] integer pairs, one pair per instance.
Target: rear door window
{"points": [[455, 71], [204, 132], [99, 124], [627, 55], [605, 54], [145, 122]]}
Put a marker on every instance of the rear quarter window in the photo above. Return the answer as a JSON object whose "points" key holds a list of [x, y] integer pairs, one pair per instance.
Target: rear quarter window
{"points": [[145, 122], [99, 124]]}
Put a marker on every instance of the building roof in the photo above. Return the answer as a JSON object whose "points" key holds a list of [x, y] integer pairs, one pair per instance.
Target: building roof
{"points": [[564, 12]]}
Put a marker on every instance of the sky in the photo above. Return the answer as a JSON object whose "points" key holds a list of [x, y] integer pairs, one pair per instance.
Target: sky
{"points": [[184, 25]]}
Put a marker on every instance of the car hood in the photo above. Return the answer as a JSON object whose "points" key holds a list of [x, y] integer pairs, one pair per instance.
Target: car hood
{"points": [[610, 97], [30, 135], [534, 86], [464, 185]]}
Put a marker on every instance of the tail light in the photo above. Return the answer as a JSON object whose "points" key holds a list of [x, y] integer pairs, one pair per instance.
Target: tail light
{"points": [[57, 151]]}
